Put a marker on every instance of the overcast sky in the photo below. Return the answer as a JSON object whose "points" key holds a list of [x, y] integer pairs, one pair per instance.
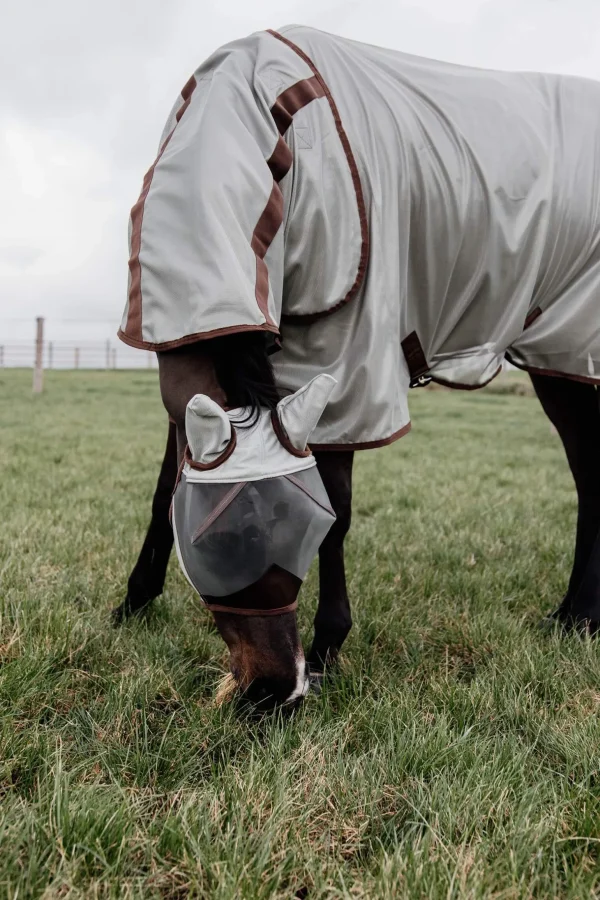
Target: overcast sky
{"points": [[85, 88]]}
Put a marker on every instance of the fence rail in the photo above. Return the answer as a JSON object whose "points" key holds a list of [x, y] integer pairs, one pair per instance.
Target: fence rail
{"points": [[75, 354]]}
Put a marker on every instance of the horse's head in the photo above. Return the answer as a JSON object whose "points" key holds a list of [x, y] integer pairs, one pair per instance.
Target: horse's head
{"points": [[249, 514]]}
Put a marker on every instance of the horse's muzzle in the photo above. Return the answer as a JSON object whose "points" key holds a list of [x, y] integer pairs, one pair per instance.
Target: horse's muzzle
{"points": [[265, 694]]}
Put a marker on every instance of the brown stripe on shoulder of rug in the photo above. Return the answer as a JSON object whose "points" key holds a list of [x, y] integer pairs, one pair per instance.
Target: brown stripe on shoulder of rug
{"points": [[318, 84], [287, 104], [294, 99]]}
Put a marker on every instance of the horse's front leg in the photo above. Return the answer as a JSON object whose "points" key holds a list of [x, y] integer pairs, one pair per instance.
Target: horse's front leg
{"points": [[333, 620], [147, 579], [183, 373]]}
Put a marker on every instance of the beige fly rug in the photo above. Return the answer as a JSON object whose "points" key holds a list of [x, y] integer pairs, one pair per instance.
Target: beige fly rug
{"points": [[384, 218]]}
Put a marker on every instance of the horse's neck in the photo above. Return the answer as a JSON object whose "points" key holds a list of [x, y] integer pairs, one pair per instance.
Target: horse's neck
{"points": [[234, 371]]}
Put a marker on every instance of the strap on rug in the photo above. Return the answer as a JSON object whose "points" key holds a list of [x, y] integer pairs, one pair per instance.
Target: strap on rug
{"points": [[415, 360]]}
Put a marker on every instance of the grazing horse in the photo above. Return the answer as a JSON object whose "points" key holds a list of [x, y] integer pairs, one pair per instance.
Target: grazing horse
{"points": [[323, 206]]}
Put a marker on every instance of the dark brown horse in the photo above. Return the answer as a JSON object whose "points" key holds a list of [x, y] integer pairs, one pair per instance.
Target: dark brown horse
{"points": [[236, 371], [433, 210]]}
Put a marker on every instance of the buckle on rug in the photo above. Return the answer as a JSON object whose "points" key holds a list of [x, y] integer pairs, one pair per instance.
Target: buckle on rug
{"points": [[420, 381]]}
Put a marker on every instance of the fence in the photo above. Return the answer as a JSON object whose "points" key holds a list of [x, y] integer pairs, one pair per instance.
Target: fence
{"points": [[75, 355], [40, 353]]}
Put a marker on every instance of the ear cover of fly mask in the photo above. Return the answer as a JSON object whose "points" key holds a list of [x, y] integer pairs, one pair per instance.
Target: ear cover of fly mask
{"points": [[299, 413], [208, 429]]}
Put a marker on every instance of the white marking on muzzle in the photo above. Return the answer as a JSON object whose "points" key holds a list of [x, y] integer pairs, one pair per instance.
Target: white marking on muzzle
{"points": [[302, 682]]}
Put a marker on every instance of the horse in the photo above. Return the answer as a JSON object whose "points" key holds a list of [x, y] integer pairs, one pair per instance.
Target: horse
{"points": [[322, 206]]}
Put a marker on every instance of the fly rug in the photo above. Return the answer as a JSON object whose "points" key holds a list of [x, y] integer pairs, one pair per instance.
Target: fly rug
{"points": [[383, 219]]}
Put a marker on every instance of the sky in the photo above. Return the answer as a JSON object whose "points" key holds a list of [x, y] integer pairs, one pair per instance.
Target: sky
{"points": [[85, 89]]}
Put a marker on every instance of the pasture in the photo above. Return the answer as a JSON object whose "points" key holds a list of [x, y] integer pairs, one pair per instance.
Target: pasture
{"points": [[456, 753]]}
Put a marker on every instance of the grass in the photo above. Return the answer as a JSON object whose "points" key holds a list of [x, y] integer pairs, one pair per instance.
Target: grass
{"points": [[457, 754]]}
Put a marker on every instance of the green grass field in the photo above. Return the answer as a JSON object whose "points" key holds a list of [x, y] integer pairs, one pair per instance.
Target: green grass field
{"points": [[457, 753]]}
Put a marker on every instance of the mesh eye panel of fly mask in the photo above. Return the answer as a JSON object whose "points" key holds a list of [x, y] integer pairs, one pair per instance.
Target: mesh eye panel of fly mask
{"points": [[250, 498]]}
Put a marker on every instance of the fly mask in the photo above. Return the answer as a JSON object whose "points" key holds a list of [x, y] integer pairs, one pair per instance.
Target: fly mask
{"points": [[249, 495]]}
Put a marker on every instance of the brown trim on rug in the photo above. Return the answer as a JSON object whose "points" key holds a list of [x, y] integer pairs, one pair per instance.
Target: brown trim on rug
{"points": [[455, 385], [189, 87], [552, 373], [280, 161], [365, 445], [193, 338], [182, 109], [295, 98], [266, 229], [360, 200], [134, 311], [533, 315], [284, 439]]}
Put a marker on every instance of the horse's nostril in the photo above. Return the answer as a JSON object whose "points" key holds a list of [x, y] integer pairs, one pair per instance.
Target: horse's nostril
{"points": [[267, 693], [259, 692]]}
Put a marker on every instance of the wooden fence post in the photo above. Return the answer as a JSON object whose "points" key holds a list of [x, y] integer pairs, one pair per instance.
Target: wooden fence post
{"points": [[1, 357], [107, 358], [38, 365], [76, 357]]}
